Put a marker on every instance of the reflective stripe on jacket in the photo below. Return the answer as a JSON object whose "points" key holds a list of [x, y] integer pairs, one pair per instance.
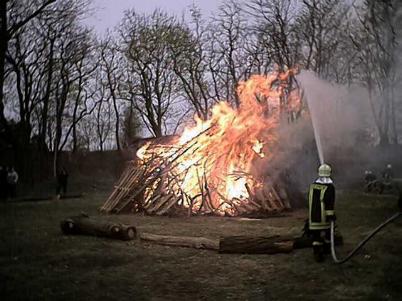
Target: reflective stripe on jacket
{"points": [[321, 205]]}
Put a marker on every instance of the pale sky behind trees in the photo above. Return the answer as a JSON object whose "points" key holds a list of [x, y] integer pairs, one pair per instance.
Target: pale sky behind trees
{"points": [[108, 13]]}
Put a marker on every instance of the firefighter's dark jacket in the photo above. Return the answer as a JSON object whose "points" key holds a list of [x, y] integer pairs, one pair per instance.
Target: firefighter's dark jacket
{"points": [[321, 205]]}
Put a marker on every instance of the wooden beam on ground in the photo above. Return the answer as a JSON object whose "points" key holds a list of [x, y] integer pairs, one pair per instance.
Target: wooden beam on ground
{"points": [[255, 244], [181, 241]]}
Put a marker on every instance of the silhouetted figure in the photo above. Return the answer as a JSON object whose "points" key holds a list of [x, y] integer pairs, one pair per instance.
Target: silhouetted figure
{"points": [[399, 191], [3, 183], [62, 178], [369, 176], [387, 174], [12, 180]]}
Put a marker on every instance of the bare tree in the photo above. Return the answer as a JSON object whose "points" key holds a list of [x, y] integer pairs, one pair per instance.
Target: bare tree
{"points": [[191, 64], [23, 13], [111, 64], [103, 123], [66, 69], [323, 26], [130, 126], [376, 43], [147, 41], [229, 57], [34, 54], [275, 24], [82, 103]]}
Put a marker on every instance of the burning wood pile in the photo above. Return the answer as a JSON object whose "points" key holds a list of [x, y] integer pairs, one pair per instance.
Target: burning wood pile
{"points": [[219, 166]]}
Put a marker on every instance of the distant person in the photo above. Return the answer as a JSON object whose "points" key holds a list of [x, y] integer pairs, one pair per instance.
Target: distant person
{"points": [[321, 200], [398, 188], [3, 183], [387, 174], [62, 178], [371, 183], [12, 180], [369, 176]]}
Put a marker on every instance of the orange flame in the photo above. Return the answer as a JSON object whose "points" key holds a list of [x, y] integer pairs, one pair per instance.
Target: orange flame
{"points": [[221, 151]]}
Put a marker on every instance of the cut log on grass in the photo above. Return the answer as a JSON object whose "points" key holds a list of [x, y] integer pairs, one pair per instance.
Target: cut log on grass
{"points": [[255, 245], [181, 241], [90, 226]]}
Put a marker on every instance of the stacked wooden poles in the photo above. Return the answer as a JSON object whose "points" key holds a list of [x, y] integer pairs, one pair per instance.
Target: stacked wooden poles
{"points": [[154, 186]]}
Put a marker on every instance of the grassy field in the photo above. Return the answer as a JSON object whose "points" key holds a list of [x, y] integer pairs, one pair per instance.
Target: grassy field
{"points": [[37, 262]]}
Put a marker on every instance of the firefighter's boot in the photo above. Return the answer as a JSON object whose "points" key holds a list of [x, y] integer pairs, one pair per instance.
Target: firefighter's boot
{"points": [[318, 253]]}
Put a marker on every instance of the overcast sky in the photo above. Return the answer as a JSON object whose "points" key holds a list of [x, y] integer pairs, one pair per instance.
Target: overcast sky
{"points": [[108, 13]]}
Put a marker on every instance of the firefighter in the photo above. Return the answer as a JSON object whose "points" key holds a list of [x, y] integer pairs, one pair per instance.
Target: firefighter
{"points": [[62, 178], [3, 183], [12, 180], [387, 174], [369, 176], [321, 211], [371, 182]]}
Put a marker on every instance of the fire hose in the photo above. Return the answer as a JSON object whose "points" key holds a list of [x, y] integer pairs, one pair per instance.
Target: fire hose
{"points": [[362, 243]]}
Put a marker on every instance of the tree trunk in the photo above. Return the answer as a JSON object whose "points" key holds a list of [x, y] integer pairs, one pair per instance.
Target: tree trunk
{"points": [[384, 139], [394, 131], [117, 122], [4, 37]]}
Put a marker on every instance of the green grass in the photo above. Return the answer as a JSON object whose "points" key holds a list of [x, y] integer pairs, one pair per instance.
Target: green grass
{"points": [[37, 262]]}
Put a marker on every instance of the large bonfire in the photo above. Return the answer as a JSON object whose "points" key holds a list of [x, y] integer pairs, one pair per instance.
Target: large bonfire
{"points": [[217, 166]]}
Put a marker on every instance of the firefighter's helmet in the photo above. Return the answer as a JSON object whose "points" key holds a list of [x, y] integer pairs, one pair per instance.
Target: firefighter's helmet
{"points": [[324, 170]]}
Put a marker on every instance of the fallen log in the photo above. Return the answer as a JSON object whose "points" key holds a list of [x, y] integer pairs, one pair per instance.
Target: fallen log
{"points": [[181, 241], [85, 225], [255, 245]]}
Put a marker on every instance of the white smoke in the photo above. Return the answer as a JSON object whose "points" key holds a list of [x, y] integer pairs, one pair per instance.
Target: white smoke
{"points": [[341, 116]]}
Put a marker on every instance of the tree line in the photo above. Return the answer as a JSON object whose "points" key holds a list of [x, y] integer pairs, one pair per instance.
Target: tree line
{"points": [[64, 88]]}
